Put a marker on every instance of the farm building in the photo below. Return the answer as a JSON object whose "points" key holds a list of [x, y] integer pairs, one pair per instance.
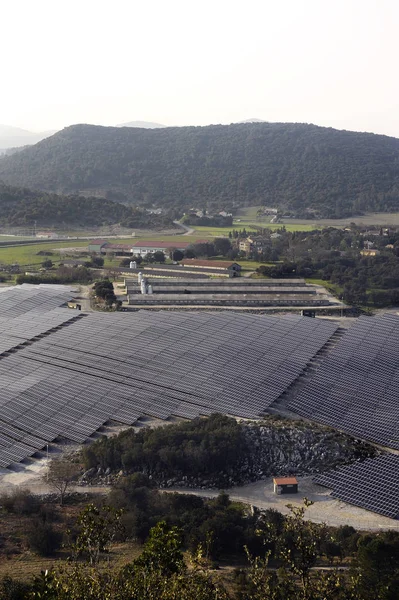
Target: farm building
{"points": [[96, 246], [232, 269], [219, 292], [143, 247], [285, 485]]}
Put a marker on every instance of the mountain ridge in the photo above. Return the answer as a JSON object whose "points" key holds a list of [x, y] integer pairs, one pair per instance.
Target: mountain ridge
{"points": [[305, 169]]}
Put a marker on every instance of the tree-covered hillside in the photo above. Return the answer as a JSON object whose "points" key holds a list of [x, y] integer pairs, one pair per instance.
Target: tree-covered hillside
{"points": [[19, 207], [297, 167]]}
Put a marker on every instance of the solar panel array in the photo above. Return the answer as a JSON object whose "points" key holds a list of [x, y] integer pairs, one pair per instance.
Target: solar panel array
{"points": [[121, 366], [28, 312], [372, 484], [356, 388], [24, 299]]}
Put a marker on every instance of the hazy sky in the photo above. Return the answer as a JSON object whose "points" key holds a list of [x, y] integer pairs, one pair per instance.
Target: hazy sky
{"points": [[189, 62]]}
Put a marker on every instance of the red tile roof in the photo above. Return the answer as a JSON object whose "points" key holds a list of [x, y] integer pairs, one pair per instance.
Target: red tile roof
{"points": [[221, 264], [97, 242], [159, 244], [285, 480]]}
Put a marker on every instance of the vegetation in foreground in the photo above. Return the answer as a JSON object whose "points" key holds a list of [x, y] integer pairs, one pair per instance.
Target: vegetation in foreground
{"points": [[294, 559], [139, 542]]}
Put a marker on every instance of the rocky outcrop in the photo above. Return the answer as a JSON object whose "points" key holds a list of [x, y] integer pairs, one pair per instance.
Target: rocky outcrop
{"points": [[275, 446]]}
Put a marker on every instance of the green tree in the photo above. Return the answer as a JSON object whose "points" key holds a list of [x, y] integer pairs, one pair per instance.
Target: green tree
{"points": [[222, 246], [177, 255], [60, 475], [98, 528]]}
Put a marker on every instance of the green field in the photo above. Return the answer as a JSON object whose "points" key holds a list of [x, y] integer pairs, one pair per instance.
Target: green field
{"points": [[27, 255], [247, 216]]}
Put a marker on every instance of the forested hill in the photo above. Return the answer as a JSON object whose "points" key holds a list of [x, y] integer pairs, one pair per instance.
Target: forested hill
{"points": [[21, 207], [294, 166]]}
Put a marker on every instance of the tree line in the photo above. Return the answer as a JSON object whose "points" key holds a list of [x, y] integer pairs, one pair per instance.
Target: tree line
{"points": [[21, 207]]}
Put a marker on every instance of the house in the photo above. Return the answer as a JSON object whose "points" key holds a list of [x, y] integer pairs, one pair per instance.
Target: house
{"points": [[143, 247], [251, 244], [285, 485]]}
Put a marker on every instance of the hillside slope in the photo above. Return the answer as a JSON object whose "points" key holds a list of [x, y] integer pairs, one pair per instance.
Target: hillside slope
{"points": [[299, 167], [21, 207]]}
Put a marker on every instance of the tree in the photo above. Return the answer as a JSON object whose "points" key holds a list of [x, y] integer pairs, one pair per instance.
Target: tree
{"points": [[97, 261], [222, 246], [47, 264], [202, 249], [98, 528], [162, 552], [177, 254], [61, 473], [105, 290], [158, 257]]}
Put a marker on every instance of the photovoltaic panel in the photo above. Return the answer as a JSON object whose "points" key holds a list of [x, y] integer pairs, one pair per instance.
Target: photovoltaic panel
{"points": [[120, 366], [356, 388], [372, 484]]}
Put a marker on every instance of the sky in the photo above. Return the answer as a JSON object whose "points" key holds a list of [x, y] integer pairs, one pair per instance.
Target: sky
{"points": [[190, 62]]}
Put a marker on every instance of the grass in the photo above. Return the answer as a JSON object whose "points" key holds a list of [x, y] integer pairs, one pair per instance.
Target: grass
{"points": [[27, 255], [247, 217], [334, 288], [252, 265]]}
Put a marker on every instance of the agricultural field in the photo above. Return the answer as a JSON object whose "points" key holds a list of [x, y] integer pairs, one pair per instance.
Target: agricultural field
{"points": [[248, 216]]}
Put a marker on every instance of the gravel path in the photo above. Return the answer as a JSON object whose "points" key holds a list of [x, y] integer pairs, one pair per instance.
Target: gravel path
{"points": [[324, 510]]}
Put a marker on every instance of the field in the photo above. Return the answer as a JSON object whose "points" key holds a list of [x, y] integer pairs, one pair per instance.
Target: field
{"points": [[26, 256], [247, 216]]}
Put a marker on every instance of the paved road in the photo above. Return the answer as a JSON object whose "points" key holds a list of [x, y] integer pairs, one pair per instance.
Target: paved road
{"points": [[188, 230]]}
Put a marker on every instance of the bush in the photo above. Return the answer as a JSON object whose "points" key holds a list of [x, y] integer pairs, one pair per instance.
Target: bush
{"points": [[20, 502], [43, 538], [11, 589]]}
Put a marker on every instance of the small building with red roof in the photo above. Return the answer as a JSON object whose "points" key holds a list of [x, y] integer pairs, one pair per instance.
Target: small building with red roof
{"points": [[285, 485]]}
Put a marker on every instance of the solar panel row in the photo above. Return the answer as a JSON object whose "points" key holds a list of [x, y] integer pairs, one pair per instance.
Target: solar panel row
{"points": [[121, 366], [356, 388], [372, 484]]}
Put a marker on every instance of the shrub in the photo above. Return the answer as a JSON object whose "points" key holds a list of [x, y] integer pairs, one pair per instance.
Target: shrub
{"points": [[43, 538], [20, 502]]}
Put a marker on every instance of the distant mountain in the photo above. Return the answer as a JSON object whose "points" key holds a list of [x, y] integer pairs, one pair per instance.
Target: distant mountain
{"points": [[142, 124], [14, 137], [21, 207], [307, 170], [254, 120]]}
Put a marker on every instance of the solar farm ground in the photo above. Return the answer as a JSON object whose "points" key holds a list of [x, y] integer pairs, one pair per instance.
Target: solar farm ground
{"points": [[63, 375], [119, 366]]}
